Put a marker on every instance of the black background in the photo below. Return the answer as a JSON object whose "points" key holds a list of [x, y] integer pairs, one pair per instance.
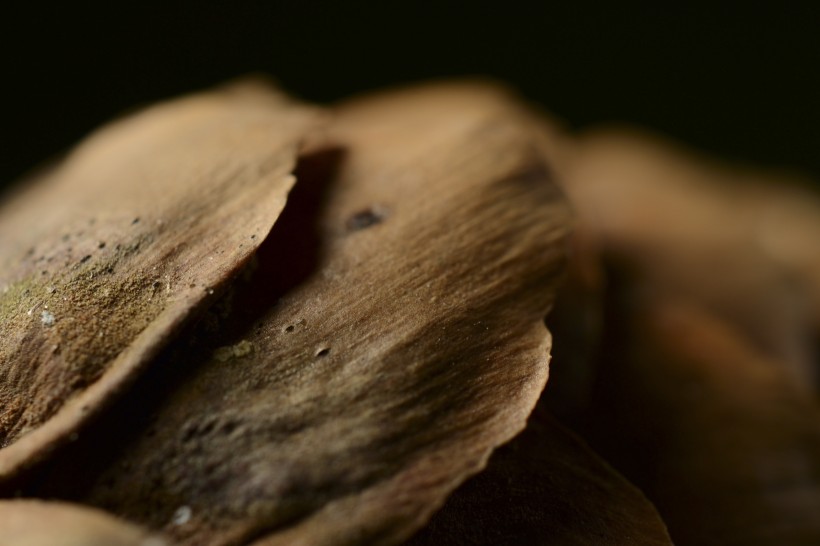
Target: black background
{"points": [[742, 82]]}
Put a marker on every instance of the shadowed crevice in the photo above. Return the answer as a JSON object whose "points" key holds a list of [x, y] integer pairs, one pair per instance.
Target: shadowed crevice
{"points": [[289, 255]]}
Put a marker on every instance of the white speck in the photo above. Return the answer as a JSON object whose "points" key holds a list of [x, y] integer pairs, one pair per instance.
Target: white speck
{"points": [[46, 318], [182, 515]]}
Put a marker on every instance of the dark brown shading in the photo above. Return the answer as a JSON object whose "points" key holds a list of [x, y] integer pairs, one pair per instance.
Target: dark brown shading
{"points": [[545, 487], [106, 256], [382, 380], [703, 396], [740, 241], [38, 523], [715, 433]]}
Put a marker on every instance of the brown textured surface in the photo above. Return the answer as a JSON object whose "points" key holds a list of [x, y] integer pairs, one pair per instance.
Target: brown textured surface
{"points": [[39, 523], [104, 257], [743, 242], [545, 487], [704, 394], [718, 436], [411, 345]]}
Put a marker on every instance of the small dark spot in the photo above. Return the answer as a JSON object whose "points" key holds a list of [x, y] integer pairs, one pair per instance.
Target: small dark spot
{"points": [[229, 427], [85, 258], [92, 221], [44, 272], [30, 252], [253, 236], [365, 219], [101, 245], [135, 221], [65, 237], [155, 284], [321, 353], [208, 427], [290, 328]]}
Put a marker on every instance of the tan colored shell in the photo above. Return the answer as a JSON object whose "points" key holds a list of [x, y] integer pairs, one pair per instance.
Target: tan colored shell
{"points": [[40, 523], [104, 258], [411, 346]]}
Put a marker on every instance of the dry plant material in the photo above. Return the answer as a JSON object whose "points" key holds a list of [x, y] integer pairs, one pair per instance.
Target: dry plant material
{"points": [[545, 487], [703, 397], [104, 258], [38, 523], [385, 376], [720, 439], [742, 243]]}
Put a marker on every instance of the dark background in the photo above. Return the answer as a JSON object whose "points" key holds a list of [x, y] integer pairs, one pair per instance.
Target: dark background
{"points": [[741, 82]]}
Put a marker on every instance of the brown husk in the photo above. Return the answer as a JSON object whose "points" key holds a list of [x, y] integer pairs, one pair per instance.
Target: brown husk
{"points": [[40, 523], [407, 344], [105, 257]]}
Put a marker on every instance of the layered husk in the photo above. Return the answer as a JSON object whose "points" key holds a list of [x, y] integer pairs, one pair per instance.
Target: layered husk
{"points": [[391, 337], [104, 258], [40, 523], [546, 487]]}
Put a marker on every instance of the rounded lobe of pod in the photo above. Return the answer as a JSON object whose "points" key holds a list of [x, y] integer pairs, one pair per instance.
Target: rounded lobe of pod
{"points": [[40, 523], [106, 256], [348, 408]]}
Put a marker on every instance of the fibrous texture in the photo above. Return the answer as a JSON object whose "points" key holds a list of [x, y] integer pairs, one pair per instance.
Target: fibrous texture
{"points": [[371, 369], [105, 256], [347, 411]]}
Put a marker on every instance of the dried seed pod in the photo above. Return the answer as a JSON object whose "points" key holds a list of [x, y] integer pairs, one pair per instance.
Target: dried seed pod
{"points": [[39, 523], [409, 346], [104, 258]]}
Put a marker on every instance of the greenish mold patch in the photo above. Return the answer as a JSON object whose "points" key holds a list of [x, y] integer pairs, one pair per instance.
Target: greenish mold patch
{"points": [[62, 330]]}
